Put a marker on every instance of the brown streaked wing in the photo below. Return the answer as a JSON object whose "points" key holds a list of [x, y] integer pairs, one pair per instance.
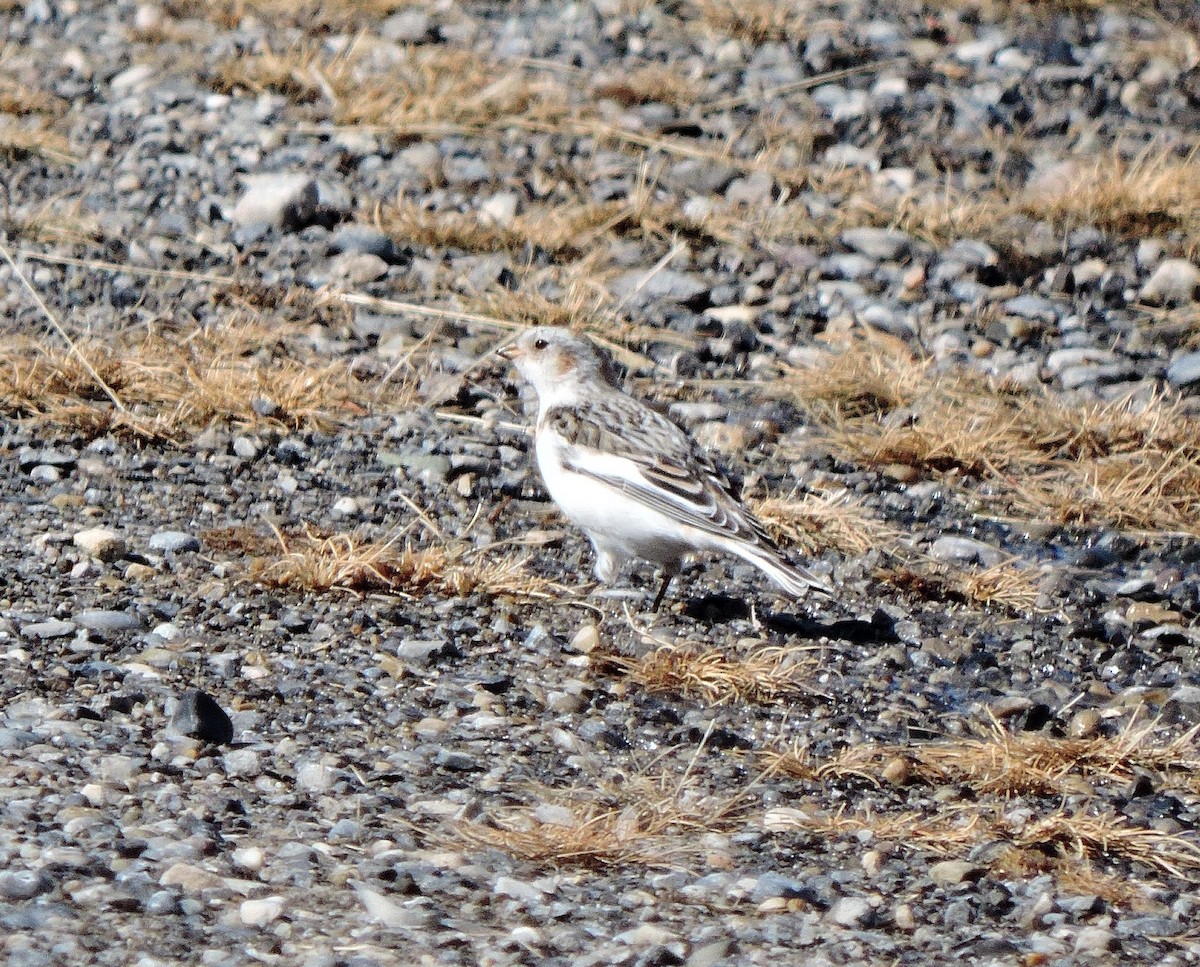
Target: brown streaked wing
{"points": [[678, 479]]}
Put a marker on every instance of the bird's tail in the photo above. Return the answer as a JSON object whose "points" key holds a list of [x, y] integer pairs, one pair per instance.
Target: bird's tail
{"points": [[796, 581]]}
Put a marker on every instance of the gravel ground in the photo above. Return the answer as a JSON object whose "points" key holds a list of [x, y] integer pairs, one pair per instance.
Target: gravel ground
{"points": [[202, 760]]}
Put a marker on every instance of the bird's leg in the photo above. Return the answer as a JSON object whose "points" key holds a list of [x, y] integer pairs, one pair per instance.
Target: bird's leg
{"points": [[662, 591]]}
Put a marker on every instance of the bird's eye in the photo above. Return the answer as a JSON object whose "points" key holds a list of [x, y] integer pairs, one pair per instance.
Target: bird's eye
{"points": [[540, 344]]}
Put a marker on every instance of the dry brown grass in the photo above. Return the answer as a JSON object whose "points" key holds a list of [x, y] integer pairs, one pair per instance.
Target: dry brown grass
{"points": [[568, 230], [653, 821], [1155, 192], [410, 91], [21, 99], [249, 373], [301, 74], [1004, 764], [34, 138], [764, 676], [1013, 788], [1076, 876], [314, 562], [437, 88], [1009, 585], [647, 84], [1153, 492], [1073, 840], [815, 523], [754, 21], [1125, 463], [58, 220], [870, 377], [313, 16]]}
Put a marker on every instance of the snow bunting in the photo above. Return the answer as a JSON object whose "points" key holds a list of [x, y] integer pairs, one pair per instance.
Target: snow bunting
{"points": [[636, 484]]}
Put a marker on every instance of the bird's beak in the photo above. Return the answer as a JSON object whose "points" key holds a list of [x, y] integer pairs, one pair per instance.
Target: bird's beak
{"points": [[509, 352]]}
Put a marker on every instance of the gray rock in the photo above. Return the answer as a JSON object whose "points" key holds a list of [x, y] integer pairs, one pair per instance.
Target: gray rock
{"points": [[243, 762], [1184, 370], [407, 27], [466, 169], [1034, 307], [246, 447], [755, 189], [1143, 927], [389, 913], [883, 244], [198, 716], [501, 208], [286, 201], [45, 474], [710, 955], [422, 161], [850, 912], [1174, 282], [419, 649], [363, 239], [850, 266], [770, 885], [174, 542], [24, 884], [54, 628], [1061, 359], [101, 543], [356, 268], [108, 621], [1095, 941], [315, 777], [12, 740], [950, 872], [29, 457], [1075, 377], [641, 287], [972, 253], [964, 550], [517, 890]]}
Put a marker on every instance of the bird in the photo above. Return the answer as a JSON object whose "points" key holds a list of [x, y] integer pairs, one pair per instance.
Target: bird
{"points": [[634, 482]]}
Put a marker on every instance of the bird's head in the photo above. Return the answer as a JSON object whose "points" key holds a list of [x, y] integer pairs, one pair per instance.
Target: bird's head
{"points": [[549, 357]]}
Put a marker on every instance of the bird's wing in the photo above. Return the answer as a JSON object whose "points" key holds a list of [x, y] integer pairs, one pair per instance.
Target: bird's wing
{"points": [[630, 447]]}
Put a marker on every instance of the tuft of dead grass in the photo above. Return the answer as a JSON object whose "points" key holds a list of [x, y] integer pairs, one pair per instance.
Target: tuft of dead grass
{"points": [[1127, 463], [1153, 193], [872, 377], [647, 84], [1011, 585], [1014, 787], [314, 562], [20, 99], [55, 221], [439, 88], [754, 21], [764, 676], [302, 74], [1072, 839], [648, 821], [565, 230], [312, 16], [1004, 764], [816, 523], [1149, 491], [34, 138], [250, 373]]}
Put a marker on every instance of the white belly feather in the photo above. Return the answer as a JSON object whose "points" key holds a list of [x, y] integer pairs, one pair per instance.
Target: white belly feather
{"points": [[616, 523]]}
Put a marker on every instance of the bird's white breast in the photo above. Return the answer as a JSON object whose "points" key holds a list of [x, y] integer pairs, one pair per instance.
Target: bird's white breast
{"points": [[612, 519]]}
